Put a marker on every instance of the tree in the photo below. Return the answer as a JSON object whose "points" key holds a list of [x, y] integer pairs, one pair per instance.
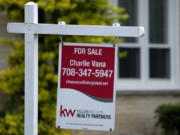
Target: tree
{"points": [[88, 12]]}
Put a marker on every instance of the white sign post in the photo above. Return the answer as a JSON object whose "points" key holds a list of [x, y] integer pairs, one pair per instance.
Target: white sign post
{"points": [[31, 71], [31, 29]]}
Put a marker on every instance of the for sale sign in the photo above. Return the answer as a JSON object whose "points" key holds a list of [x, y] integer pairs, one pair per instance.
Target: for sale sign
{"points": [[86, 87]]}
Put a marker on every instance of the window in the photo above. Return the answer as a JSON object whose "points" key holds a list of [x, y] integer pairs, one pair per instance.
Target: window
{"points": [[131, 9], [159, 63], [158, 21], [129, 61], [150, 62]]}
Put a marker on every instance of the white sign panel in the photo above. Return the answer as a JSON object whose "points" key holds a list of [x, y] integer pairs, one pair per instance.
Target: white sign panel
{"points": [[86, 87]]}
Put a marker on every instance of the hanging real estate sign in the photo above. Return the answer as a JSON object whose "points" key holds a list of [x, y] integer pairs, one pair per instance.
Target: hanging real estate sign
{"points": [[86, 87]]}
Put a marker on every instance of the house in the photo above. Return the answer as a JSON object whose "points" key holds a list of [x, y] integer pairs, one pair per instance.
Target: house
{"points": [[149, 72]]}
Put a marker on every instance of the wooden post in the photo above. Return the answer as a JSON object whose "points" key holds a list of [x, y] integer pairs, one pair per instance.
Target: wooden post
{"points": [[31, 71]]}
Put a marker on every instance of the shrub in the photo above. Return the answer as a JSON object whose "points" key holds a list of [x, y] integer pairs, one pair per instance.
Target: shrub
{"points": [[169, 118]]}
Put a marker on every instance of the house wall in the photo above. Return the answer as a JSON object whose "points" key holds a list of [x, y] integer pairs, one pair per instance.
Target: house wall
{"points": [[5, 50], [135, 114]]}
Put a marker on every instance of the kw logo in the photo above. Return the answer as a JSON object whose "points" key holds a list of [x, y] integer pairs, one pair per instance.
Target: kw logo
{"points": [[65, 112]]}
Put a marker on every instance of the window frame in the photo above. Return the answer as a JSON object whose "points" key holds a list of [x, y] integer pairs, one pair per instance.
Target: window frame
{"points": [[145, 82]]}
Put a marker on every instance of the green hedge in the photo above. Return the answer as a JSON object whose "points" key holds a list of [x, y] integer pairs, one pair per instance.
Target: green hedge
{"points": [[169, 118]]}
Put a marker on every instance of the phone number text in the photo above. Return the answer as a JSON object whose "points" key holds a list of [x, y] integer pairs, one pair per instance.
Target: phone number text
{"points": [[99, 73]]}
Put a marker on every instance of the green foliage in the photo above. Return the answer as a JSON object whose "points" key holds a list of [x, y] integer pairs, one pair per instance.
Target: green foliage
{"points": [[169, 118], [11, 124], [89, 12]]}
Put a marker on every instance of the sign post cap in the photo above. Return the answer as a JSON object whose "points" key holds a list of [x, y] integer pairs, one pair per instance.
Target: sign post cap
{"points": [[30, 3]]}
